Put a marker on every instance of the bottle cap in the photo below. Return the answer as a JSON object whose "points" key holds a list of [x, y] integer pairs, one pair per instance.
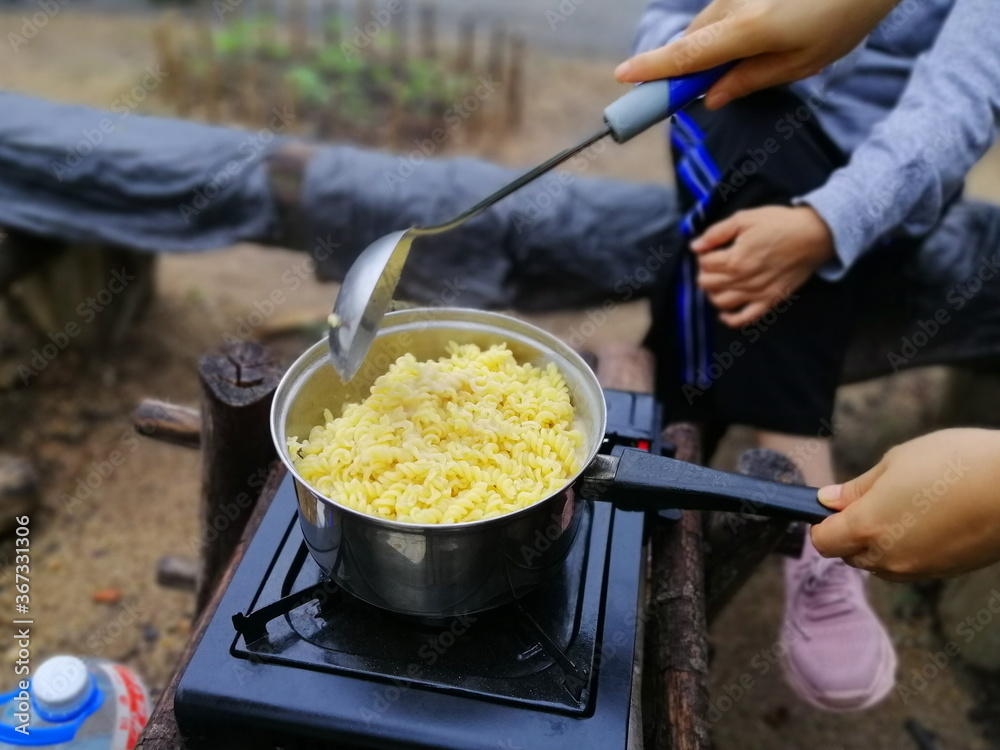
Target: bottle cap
{"points": [[61, 687]]}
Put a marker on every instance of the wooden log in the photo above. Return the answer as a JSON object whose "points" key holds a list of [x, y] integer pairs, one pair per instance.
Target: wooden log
{"points": [[286, 168], [211, 84], [331, 22], [515, 83], [399, 38], [428, 32], [168, 422], [495, 56], [736, 543], [165, 41], [627, 365], [178, 573], [298, 28], [19, 491], [249, 87], [395, 126], [252, 18], [363, 14], [675, 647], [676, 637], [161, 732], [238, 383], [466, 56], [270, 29], [281, 16], [314, 24], [90, 293], [21, 254]]}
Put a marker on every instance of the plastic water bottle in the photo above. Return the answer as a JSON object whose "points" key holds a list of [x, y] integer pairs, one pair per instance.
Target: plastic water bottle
{"points": [[83, 704]]}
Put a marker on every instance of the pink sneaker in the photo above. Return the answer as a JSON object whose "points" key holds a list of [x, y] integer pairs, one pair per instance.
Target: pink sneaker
{"points": [[838, 655]]}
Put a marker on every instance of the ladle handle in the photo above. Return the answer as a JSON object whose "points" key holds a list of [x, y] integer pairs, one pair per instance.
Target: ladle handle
{"points": [[655, 101], [642, 481]]}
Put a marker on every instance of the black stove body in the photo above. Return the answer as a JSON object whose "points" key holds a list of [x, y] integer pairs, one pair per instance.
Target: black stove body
{"points": [[291, 661]]}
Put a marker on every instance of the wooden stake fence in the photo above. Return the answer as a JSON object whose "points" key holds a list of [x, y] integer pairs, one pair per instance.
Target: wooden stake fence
{"points": [[242, 79]]}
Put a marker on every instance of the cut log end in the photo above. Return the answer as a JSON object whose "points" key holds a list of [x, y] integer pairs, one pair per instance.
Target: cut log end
{"points": [[240, 373]]}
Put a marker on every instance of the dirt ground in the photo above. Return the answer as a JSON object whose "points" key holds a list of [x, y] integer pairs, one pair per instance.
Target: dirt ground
{"points": [[72, 418]]}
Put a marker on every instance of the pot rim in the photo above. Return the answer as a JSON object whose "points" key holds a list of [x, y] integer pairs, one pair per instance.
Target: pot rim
{"points": [[301, 369]]}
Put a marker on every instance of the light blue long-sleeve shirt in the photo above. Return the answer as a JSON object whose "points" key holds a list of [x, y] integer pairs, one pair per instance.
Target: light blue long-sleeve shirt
{"points": [[915, 105]]}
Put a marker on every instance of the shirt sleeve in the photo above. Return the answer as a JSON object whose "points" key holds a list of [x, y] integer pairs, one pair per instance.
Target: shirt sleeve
{"points": [[664, 20], [915, 160]]}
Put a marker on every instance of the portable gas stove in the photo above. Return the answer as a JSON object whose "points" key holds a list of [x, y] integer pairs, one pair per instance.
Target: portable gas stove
{"points": [[299, 663]]}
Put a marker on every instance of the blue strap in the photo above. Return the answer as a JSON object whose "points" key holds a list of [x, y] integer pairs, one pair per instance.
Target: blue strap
{"points": [[697, 170], [685, 89]]}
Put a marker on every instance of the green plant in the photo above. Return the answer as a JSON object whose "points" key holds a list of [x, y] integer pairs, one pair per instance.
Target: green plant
{"points": [[309, 84], [229, 40], [351, 98], [276, 49], [332, 59], [338, 27], [422, 82]]}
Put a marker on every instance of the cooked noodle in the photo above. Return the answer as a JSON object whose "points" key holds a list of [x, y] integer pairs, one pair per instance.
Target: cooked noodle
{"points": [[469, 436]]}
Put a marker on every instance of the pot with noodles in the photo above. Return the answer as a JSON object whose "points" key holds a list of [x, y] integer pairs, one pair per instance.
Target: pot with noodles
{"points": [[445, 478]]}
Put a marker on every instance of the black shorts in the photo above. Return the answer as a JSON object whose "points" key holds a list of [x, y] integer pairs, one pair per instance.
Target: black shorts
{"points": [[780, 373]]}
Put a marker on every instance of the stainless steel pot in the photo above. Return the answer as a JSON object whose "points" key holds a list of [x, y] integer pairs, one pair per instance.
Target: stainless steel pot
{"points": [[443, 570]]}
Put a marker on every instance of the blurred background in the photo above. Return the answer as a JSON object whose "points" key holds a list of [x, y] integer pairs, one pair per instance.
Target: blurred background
{"points": [[382, 75]]}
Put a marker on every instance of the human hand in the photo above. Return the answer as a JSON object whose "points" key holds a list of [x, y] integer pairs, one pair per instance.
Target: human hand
{"points": [[929, 509], [766, 254], [777, 40]]}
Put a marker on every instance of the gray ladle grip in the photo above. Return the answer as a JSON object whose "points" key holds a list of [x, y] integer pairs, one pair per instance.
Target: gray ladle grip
{"points": [[655, 101]]}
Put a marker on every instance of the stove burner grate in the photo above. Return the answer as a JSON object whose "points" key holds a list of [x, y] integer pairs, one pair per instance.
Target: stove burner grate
{"points": [[541, 648]]}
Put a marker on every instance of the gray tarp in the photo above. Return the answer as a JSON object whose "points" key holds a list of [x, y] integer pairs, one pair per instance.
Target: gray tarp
{"points": [[115, 177], [563, 241], [170, 186]]}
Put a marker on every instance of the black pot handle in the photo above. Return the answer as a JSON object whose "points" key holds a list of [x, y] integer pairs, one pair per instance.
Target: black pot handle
{"points": [[637, 480]]}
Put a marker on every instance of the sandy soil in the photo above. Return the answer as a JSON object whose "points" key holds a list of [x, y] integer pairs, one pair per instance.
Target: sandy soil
{"points": [[77, 413]]}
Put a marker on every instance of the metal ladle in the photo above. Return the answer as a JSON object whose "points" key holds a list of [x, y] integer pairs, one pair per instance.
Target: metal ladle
{"points": [[366, 293]]}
